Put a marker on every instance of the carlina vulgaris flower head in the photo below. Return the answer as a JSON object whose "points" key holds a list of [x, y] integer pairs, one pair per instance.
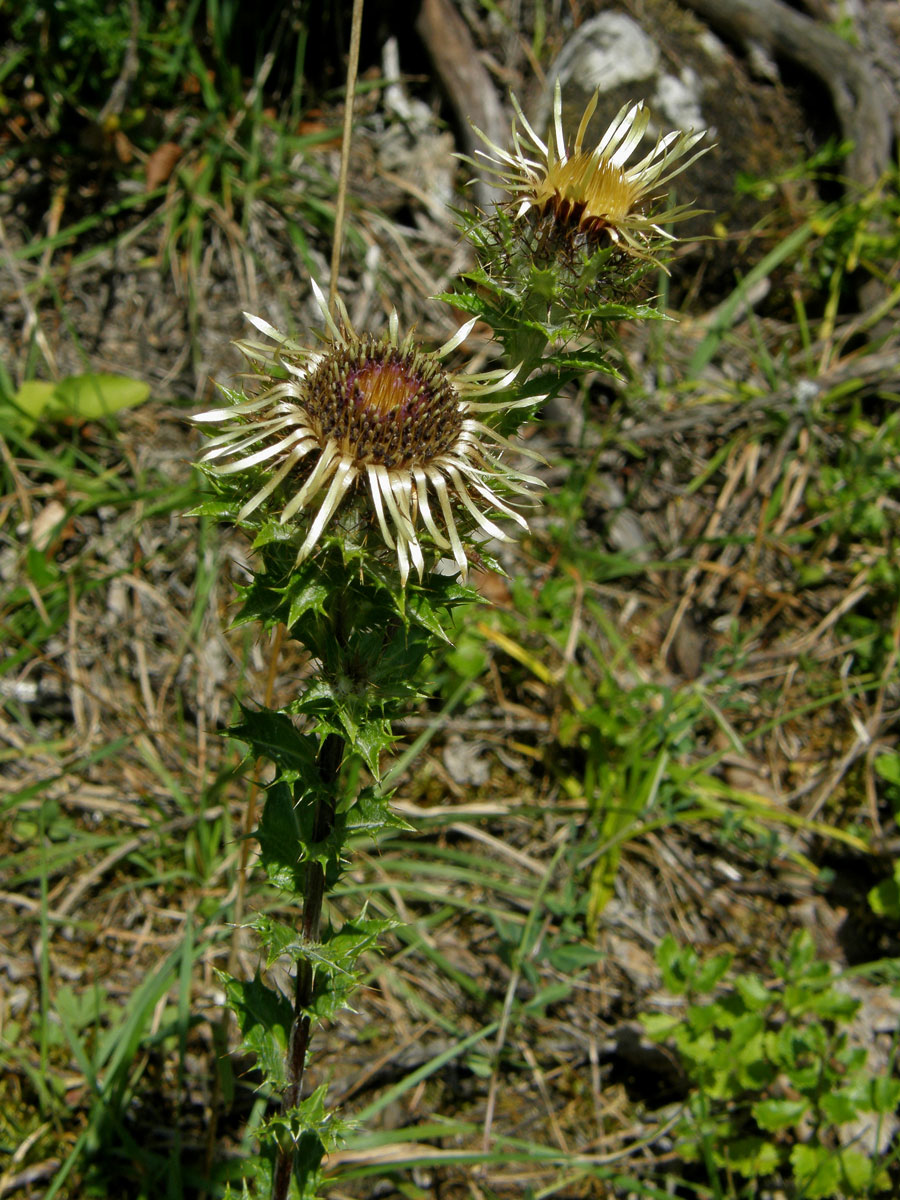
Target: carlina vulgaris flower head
{"points": [[594, 193], [375, 424]]}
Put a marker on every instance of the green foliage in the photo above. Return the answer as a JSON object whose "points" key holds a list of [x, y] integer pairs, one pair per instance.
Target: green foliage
{"points": [[884, 898], [195, 107], [628, 739], [65, 463], [84, 44], [264, 1017], [369, 642], [75, 50], [852, 485], [78, 398], [775, 1077], [369, 639], [861, 235], [554, 312]]}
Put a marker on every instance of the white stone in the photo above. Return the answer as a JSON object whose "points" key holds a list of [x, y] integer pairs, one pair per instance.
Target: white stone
{"points": [[606, 51]]}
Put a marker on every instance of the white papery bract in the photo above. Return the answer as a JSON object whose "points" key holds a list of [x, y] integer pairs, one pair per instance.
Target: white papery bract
{"points": [[376, 424], [595, 192]]}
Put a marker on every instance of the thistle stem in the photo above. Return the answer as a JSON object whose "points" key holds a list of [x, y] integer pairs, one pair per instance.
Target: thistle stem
{"points": [[330, 757]]}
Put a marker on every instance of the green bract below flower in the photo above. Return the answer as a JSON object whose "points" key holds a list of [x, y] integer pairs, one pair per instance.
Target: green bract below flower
{"points": [[375, 425], [594, 192]]}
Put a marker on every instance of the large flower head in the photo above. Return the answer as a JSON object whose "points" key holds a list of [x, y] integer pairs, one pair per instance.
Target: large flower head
{"points": [[374, 425], [595, 192]]}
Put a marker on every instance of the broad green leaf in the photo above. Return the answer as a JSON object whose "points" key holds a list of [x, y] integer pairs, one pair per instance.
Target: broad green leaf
{"points": [[755, 1072], [747, 1030], [888, 767], [553, 993], [659, 1026], [834, 1005], [678, 965], [884, 898], [773, 1115], [754, 993], [572, 957], [839, 1108], [88, 397], [824, 1174], [700, 1017], [885, 1097], [712, 970], [31, 399], [749, 1156], [857, 1170]]}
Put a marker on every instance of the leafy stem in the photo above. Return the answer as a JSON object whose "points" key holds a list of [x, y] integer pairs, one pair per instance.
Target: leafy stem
{"points": [[329, 762]]}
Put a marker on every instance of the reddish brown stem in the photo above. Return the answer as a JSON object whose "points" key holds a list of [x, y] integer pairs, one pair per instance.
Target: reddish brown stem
{"points": [[330, 757]]}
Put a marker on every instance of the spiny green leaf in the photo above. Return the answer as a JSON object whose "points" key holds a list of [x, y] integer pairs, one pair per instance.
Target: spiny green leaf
{"points": [[372, 814], [369, 740], [581, 360], [311, 1116], [273, 735], [265, 1020], [343, 947], [310, 598], [277, 937], [280, 837], [220, 510], [273, 532], [259, 602]]}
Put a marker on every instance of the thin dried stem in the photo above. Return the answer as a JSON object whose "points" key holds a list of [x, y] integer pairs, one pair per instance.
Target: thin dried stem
{"points": [[352, 65]]}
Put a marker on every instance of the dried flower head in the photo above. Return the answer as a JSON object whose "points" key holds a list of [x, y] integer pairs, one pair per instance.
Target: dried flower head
{"points": [[370, 415], [593, 192]]}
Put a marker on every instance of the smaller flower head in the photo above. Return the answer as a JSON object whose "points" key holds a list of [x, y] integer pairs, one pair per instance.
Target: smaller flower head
{"points": [[594, 192], [375, 426]]}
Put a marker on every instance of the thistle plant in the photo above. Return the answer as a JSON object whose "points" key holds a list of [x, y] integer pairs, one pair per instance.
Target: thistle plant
{"points": [[558, 264], [370, 477]]}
